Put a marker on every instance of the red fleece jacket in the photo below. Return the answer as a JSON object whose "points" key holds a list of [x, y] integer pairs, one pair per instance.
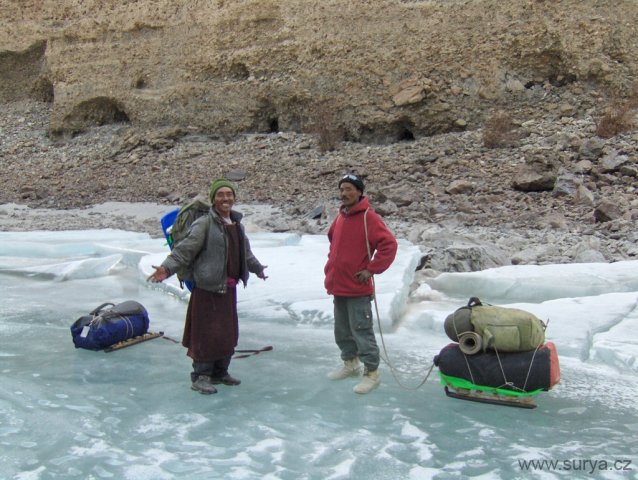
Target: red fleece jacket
{"points": [[349, 255]]}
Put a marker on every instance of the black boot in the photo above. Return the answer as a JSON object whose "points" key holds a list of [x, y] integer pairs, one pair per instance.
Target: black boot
{"points": [[220, 373]]}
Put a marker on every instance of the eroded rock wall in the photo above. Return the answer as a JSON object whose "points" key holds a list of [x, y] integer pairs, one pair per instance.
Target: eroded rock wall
{"points": [[386, 69]]}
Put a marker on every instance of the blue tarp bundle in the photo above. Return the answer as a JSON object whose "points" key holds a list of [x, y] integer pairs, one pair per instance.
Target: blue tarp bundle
{"points": [[167, 222], [104, 327]]}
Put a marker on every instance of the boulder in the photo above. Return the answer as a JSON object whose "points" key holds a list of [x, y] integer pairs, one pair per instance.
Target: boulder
{"points": [[402, 195], [409, 96], [236, 175], [584, 166], [459, 186], [376, 196], [607, 211], [629, 171], [315, 213], [466, 258], [589, 243], [528, 179], [514, 85], [387, 208], [163, 192], [535, 254], [565, 186], [395, 89], [426, 159], [556, 221], [612, 162], [584, 196], [590, 256], [447, 252], [591, 149]]}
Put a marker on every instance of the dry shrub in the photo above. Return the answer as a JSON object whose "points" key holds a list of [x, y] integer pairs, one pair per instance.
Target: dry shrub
{"points": [[619, 116], [327, 133], [499, 131]]}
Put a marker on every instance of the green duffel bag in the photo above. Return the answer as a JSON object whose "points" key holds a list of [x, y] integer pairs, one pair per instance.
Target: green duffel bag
{"points": [[477, 326]]}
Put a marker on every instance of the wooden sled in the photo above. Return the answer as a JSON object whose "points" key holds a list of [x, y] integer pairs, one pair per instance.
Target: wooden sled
{"points": [[488, 397], [133, 341]]}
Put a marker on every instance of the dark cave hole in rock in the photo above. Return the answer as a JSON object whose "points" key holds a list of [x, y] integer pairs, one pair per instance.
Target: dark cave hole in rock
{"points": [[92, 112], [406, 136]]}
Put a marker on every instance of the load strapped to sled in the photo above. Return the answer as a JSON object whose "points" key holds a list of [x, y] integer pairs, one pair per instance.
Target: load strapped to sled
{"points": [[104, 327], [501, 356]]}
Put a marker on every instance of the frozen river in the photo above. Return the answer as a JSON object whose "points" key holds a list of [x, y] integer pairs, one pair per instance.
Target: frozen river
{"points": [[130, 414]]}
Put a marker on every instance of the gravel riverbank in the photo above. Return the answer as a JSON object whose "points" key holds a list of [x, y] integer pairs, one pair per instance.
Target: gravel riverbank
{"points": [[558, 194]]}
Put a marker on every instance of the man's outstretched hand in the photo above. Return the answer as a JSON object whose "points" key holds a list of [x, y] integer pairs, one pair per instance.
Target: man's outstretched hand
{"points": [[261, 274], [159, 275]]}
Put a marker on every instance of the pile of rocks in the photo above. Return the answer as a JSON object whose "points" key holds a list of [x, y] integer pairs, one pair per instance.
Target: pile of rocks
{"points": [[558, 194]]}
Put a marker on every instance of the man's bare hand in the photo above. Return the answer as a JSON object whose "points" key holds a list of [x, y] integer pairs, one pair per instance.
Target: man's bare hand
{"points": [[363, 276], [159, 275], [261, 274]]}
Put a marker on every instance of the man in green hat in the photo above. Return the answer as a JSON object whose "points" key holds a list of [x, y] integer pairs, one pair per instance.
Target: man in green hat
{"points": [[220, 255]]}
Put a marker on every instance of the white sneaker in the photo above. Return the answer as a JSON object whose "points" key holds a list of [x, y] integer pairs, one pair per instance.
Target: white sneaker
{"points": [[351, 368], [371, 380]]}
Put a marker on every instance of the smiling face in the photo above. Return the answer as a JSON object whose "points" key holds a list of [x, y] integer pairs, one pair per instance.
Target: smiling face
{"points": [[223, 201], [350, 195]]}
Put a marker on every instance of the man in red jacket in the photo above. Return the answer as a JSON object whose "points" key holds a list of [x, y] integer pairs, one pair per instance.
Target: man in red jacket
{"points": [[349, 278]]}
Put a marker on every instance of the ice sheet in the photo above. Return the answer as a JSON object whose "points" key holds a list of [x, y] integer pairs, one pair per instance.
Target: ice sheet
{"points": [[534, 283], [573, 323], [130, 414], [77, 269], [619, 344], [62, 244], [294, 287]]}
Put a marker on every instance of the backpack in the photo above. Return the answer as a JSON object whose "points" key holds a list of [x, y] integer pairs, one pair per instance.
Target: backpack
{"points": [[196, 208], [104, 327], [495, 328]]}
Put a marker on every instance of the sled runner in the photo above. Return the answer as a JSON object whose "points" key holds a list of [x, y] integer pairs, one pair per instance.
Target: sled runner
{"points": [[133, 341], [465, 390]]}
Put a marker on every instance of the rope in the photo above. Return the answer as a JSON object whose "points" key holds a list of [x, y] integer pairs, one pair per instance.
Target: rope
{"points": [[545, 325], [506, 384], [498, 357], [393, 369], [251, 352]]}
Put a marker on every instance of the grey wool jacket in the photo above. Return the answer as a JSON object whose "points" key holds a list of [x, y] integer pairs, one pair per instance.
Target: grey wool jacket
{"points": [[205, 250]]}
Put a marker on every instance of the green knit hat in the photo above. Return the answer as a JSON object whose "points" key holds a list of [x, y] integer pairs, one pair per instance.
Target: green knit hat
{"points": [[219, 183]]}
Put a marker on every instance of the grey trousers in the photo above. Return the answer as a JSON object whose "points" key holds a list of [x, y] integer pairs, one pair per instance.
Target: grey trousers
{"points": [[354, 332]]}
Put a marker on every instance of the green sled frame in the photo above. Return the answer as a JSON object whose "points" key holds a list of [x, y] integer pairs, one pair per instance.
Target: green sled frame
{"points": [[465, 390]]}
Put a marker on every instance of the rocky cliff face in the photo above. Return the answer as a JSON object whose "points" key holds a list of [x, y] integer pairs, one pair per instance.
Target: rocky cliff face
{"points": [[385, 69]]}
